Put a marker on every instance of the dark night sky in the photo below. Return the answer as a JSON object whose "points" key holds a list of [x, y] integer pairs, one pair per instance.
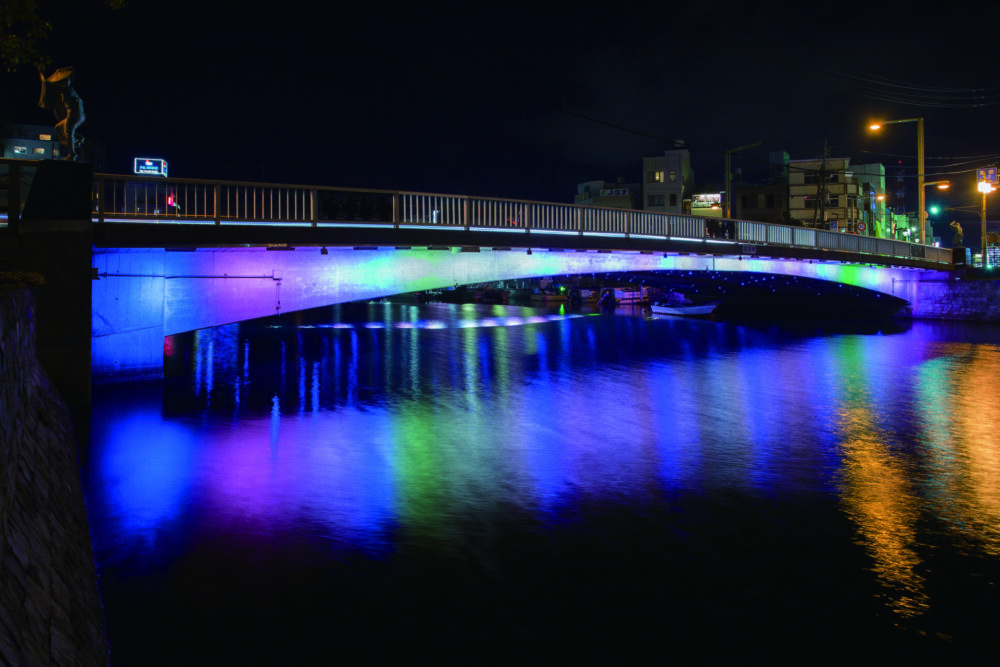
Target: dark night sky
{"points": [[519, 101]]}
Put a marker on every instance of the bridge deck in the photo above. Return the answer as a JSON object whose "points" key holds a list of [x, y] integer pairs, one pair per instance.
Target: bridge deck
{"points": [[139, 211]]}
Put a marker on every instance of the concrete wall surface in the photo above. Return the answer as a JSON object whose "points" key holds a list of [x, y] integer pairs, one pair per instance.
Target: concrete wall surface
{"points": [[50, 608]]}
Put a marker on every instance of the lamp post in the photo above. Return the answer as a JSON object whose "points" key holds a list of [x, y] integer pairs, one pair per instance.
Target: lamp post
{"points": [[986, 183], [921, 213], [985, 187], [729, 195]]}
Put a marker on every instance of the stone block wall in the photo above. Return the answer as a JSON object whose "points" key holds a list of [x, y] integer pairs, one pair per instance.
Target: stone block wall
{"points": [[962, 299], [50, 607]]}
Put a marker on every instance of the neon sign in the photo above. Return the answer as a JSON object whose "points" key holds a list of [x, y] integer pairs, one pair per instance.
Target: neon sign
{"points": [[147, 166]]}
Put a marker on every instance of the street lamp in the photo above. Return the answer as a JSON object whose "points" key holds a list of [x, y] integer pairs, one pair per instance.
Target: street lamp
{"points": [[921, 214], [985, 187]]}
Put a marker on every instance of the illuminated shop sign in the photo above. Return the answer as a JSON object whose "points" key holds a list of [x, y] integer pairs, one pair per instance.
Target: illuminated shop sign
{"points": [[706, 201], [147, 166], [614, 192]]}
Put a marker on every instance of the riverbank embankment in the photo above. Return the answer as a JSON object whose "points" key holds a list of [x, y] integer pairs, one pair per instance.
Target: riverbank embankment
{"points": [[50, 607]]}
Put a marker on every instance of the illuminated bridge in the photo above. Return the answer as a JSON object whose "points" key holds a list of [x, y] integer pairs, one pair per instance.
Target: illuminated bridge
{"points": [[173, 255]]}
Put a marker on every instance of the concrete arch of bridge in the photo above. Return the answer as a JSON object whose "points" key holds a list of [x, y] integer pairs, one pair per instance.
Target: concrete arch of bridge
{"points": [[143, 295]]}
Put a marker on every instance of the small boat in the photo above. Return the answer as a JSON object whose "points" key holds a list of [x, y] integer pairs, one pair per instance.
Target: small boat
{"points": [[675, 303], [694, 310]]}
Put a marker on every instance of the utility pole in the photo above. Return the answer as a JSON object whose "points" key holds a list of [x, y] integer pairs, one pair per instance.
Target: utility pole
{"points": [[821, 192]]}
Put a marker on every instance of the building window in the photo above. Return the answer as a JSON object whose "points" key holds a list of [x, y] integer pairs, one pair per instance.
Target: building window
{"points": [[45, 137], [38, 151], [654, 200], [770, 201], [673, 199], [20, 150], [654, 176], [812, 178]]}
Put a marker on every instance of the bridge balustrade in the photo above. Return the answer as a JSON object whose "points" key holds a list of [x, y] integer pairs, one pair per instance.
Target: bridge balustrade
{"points": [[498, 214], [803, 236], [191, 201], [555, 217]]}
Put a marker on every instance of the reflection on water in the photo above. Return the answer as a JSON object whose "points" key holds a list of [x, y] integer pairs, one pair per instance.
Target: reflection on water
{"points": [[473, 458], [877, 493]]}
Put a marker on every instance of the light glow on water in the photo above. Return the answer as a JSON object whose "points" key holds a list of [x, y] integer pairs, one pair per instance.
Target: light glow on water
{"points": [[469, 446]]}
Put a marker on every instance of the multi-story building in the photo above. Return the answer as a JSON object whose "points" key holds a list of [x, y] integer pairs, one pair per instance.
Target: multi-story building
{"points": [[668, 182], [39, 142], [766, 201], [873, 218], [823, 193], [30, 142], [608, 195]]}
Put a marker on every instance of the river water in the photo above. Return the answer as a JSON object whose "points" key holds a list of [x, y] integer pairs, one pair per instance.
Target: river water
{"points": [[471, 481]]}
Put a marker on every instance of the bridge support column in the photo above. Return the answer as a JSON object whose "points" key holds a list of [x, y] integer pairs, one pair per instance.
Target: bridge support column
{"points": [[127, 321]]}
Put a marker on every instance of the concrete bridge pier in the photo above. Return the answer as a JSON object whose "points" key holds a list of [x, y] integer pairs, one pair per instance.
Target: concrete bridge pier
{"points": [[127, 318]]}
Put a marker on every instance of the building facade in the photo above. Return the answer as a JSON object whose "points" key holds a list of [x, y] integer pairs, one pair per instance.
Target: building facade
{"points": [[605, 194], [823, 194], [39, 142], [668, 182], [761, 203], [30, 142]]}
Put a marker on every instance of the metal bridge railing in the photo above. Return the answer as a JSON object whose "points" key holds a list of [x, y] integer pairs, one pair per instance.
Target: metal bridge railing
{"points": [[190, 201]]}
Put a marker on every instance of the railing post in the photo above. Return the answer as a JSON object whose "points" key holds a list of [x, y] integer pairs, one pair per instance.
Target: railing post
{"points": [[396, 213], [313, 197], [101, 185], [465, 213], [218, 197]]}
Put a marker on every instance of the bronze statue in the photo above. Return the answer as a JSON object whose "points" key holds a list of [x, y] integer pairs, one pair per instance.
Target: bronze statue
{"points": [[58, 95], [957, 239]]}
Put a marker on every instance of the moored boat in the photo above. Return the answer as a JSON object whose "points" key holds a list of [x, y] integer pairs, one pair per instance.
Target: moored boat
{"points": [[675, 303]]}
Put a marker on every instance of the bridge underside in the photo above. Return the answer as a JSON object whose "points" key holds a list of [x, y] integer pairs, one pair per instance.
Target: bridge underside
{"points": [[144, 294]]}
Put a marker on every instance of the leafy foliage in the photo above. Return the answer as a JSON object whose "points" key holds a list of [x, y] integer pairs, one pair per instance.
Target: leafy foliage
{"points": [[22, 29]]}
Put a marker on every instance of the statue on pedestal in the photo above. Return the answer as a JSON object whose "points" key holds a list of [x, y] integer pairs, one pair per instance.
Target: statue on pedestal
{"points": [[957, 239], [58, 95]]}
